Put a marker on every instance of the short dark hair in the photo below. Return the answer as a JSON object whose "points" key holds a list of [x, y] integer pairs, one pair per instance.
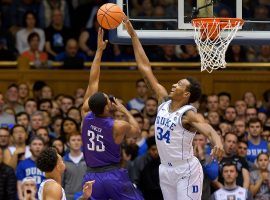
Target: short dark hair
{"points": [[36, 137], [266, 95], [20, 114], [228, 164], [13, 85], [254, 120], [230, 133], [97, 103], [47, 160], [31, 36], [4, 128], [69, 97], [41, 101], [25, 16], [262, 153], [138, 115], [151, 142], [16, 126], [152, 98], [225, 94], [242, 141], [194, 89], [139, 81]]}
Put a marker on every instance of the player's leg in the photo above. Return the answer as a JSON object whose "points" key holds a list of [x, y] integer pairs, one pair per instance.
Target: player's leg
{"points": [[191, 184], [118, 186], [167, 180]]}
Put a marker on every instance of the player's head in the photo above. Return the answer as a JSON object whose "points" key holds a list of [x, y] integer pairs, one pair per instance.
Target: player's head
{"points": [[229, 173], [50, 161], [99, 104], [188, 88]]}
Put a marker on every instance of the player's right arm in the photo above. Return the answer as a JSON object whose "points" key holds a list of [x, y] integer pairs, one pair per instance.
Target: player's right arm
{"points": [[94, 72], [52, 191], [129, 128], [144, 64]]}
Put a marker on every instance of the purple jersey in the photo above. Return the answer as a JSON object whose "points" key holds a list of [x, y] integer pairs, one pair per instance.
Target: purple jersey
{"points": [[99, 148]]}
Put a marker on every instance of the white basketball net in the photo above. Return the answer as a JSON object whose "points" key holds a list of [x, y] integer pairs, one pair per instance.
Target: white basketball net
{"points": [[211, 47]]}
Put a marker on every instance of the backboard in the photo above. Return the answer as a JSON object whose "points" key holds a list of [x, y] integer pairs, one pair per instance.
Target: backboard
{"points": [[169, 21]]}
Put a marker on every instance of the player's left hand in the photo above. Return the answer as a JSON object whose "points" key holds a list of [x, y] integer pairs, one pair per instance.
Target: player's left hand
{"points": [[217, 152], [87, 189], [101, 44]]}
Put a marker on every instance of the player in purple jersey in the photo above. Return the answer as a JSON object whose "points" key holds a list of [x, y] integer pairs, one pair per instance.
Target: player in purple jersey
{"points": [[102, 137]]}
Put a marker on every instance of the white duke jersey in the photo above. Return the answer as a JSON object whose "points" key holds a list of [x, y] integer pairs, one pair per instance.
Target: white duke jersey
{"points": [[173, 141], [238, 193], [40, 191]]}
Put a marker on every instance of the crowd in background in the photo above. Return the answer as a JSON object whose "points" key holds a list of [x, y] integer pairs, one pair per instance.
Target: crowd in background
{"points": [[66, 31], [36, 118]]}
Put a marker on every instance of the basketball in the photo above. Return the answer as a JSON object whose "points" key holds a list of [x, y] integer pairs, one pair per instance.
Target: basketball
{"points": [[110, 16]]}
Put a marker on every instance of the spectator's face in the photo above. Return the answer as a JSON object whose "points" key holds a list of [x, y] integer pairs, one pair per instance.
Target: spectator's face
{"points": [[58, 145], [169, 50], [23, 91], [36, 122], [213, 118], [141, 89], [255, 129], [46, 118], [72, 48], [76, 115], [57, 18], [44, 134], [240, 127], [19, 135], [262, 116], [212, 103], [30, 21], [12, 95], [45, 106], [4, 138], [224, 102], [79, 92], [55, 109], [153, 151], [57, 126], [29, 185], [69, 127], [265, 135], [230, 143], [151, 107], [199, 140], [229, 174], [66, 104], [242, 149], [240, 107], [251, 113], [263, 162], [36, 147], [119, 115], [78, 102], [140, 122], [30, 107], [225, 127], [1, 102], [151, 131], [75, 142], [34, 43], [250, 99], [230, 114], [46, 92], [23, 120]]}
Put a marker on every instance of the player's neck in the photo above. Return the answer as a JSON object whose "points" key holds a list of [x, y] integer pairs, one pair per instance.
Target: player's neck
{"points": [[175, 105], [55, 176]]}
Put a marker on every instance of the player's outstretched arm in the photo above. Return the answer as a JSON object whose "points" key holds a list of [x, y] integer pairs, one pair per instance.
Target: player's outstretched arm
{"points": [[94, 72], [197, 121], [144, 64]]}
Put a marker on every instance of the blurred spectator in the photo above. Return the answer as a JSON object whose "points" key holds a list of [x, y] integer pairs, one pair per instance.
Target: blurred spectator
{"points": [[260, 179], [56, 125], [57, 35], [240, 107], [213, 118], [71, 58], [5, 118], [250, 99], [28, 166], [251, 112], [236, 53], [230, 149], [12, 98], [45, 104], [8, 189], [150, 109], [22, 118], [59, 146], [75, 114], [19, 151], [167, 54], [22, 42], [66, 103], [29, 188], [224, 100], [210, 167], [44, 134], [145, 172], [190, 53], [231, 189], [37, 86], [30, 106], [4, 138], [75, 166], [230, 114], [46, 92], [24, 93], [264, 55], [256, 144], [212, 102], [240, 129], [261, 13], [36, 121], [138, 103], [68, 127], [140, 140], [46, 12], [55, 109], [34, 55]]}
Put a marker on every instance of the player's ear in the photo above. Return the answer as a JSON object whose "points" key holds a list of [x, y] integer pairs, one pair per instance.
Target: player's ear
{"points": [[187, 94]]}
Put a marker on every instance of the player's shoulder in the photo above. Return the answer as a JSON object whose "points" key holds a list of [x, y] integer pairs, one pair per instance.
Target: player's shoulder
{"points": [[53, 189]]}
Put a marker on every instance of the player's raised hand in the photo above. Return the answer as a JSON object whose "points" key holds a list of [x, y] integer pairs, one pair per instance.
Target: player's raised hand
{"points": [[217, 152], [118, 106], [87, 189], [129, 27], [101, 44]]}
